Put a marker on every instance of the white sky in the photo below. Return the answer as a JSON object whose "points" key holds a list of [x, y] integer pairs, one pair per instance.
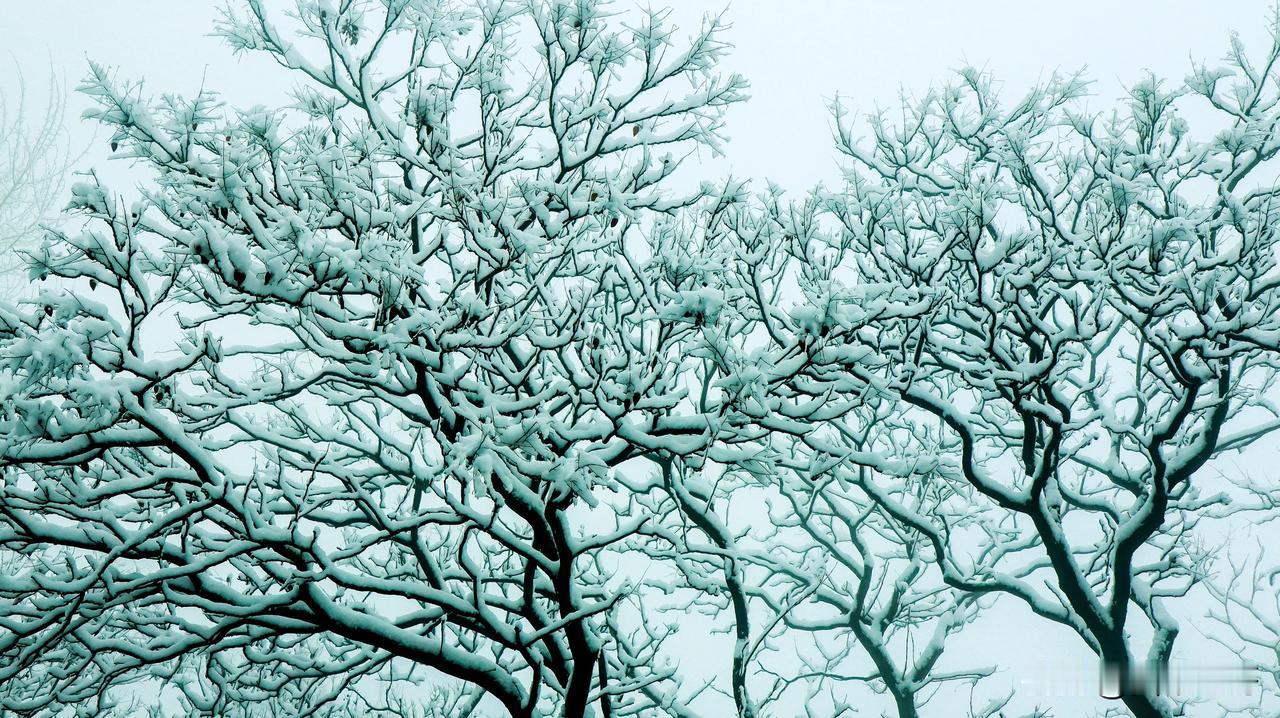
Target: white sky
{"points": [[796, 53]]}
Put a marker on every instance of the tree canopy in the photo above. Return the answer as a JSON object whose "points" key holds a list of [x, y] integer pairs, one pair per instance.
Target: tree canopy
{"points": [[452, 388]]}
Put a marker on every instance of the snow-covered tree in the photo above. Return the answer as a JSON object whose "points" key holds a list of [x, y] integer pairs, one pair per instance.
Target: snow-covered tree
{"points": [[440, 391], [334, 408], [830, 596], [1104, 322]]}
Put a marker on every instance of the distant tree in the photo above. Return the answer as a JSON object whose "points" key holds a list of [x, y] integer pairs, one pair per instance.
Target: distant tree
{"points": [[35, 160], [1104, 322], [1247, 618]]}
